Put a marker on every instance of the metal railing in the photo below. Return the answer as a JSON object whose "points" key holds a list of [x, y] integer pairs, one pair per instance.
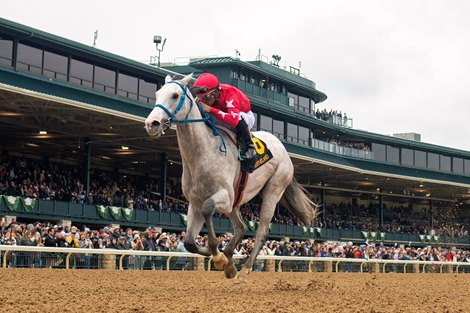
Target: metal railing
{"points": [[342, 150], [51, 257]]}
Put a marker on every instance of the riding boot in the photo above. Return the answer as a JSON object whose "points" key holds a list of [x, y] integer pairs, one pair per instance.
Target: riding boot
{"points": [[247, 149]]}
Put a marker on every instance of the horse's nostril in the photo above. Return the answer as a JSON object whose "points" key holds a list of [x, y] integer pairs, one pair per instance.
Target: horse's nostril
{"points": [[155, 123]]}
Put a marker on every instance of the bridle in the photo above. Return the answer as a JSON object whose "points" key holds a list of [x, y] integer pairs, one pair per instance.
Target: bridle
{"points": [[172, 116]]}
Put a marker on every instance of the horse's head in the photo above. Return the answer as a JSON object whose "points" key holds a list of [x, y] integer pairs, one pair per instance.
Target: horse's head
{"points": [[170, 105]]}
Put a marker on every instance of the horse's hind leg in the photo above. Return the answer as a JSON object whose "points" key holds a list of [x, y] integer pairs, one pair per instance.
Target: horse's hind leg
{"points": [[271, 195], [239, 229]]}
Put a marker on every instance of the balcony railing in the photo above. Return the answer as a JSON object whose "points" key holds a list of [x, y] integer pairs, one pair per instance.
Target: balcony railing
{"points": [[342, 150]]}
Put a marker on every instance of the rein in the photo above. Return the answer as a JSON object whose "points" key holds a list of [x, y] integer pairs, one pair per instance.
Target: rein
{"points": [[172, 116]]}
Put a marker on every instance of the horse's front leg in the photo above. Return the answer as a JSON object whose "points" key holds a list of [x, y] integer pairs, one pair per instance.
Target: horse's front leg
{"points": [[219, 201], [194, 225]]}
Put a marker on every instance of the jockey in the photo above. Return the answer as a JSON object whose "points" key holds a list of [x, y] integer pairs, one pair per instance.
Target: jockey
{"points": [[232, 107]]}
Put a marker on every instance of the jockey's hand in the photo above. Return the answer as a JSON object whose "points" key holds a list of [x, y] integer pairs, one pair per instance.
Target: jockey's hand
{"points": [[205, 107]]}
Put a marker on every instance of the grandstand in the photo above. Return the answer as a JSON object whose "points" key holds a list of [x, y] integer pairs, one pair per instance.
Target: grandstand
{"points": [[68, 105]]}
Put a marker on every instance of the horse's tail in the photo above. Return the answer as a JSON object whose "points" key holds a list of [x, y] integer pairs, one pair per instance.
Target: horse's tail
{"points": [[296, 200]]}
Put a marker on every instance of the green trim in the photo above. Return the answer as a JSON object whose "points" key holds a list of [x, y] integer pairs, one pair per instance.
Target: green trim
{"points": [[253, 225], [127, 213], [115, 212], [184, 219], [102, 211], [29, 204], [11, 202]]}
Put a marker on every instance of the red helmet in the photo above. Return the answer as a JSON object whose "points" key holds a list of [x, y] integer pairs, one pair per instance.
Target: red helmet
{"points": [[207, 80]]}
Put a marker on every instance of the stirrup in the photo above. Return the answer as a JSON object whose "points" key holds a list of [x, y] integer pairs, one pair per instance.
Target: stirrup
{"points": [[249, 154]]}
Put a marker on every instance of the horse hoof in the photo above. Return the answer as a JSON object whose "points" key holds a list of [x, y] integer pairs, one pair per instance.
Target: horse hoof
{"points": [[230, 270], [220, 261], [240, 279]]}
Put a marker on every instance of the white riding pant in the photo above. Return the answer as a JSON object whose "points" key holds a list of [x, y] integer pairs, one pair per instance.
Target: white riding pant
{"points": [[249, 118]]}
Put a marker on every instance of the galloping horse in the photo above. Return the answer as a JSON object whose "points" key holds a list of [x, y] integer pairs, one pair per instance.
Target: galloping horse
{"points": [[210, 177]]}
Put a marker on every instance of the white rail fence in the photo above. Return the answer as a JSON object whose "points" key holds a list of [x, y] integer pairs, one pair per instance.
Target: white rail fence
{"points": [[32, 256]]}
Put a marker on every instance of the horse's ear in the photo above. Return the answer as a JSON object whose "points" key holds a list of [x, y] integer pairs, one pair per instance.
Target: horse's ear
{"points": [[187, 79], [167, 78]]}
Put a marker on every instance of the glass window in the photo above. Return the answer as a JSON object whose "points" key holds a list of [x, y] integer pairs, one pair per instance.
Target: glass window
{"points": [[127, 86], [293, 99], [304, 104], [266, 123], [55, 65], [433, 161], [292, 132], [81, 73], [6, 52], [393, 155], [420, 159], [466, 166], [29, 59], [105, 80], [379, 152], [147, 91], [355, 152], [445, 163], [255, 125], [457, 165], [304, 134], [278, 128], [407, 157]]}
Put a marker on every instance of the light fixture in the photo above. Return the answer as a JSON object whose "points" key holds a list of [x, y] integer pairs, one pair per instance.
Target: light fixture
{"points": [[158, 40], [43, 132], [124, 147]]}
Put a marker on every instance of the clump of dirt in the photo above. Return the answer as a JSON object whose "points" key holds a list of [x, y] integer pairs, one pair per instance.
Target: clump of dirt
{"points": [[319, 285], [282, 285]]}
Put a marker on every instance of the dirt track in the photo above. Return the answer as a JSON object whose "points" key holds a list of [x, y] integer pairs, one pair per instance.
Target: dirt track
{"points": [[45, 290]]}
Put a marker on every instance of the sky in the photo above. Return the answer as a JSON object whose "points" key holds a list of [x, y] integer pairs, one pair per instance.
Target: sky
{"points": [[393, 66]]}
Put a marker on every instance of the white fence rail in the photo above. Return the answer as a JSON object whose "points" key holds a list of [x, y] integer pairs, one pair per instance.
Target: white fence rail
{"points": [[111, 258]]}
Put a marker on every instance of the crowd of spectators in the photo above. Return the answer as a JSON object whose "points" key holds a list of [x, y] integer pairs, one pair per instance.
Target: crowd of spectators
{"points": [[397, 219], [52, 181], [332, 116], [154, 239], [355, 145]]}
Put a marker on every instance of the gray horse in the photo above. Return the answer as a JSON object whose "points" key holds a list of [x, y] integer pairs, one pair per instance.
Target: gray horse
{"points": [[210, 177]]}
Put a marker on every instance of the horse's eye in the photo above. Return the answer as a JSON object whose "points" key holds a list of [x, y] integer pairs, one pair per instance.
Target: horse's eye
{"points": [[175, 96]]}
